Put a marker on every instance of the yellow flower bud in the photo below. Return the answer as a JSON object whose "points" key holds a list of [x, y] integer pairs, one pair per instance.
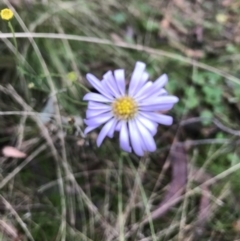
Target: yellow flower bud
{"points": [[6, 14]]}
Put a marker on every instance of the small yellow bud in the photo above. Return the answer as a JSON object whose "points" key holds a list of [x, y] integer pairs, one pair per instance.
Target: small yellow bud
{"points": [[31, 85], [6, 14], [221, 18], [72, 76]]}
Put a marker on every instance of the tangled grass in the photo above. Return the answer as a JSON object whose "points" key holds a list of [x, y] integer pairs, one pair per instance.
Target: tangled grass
{"points": [[68, 189]]}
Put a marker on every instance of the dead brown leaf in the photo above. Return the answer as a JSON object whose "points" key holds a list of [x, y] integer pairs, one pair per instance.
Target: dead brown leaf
{"points": [[194, 53], [179, 163], [236, 226], [10, 151]]}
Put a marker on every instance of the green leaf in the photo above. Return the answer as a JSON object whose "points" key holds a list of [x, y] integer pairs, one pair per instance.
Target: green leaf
{"points": [[192, 98], [207, 116], [119, 18], [198, 79], [151, 25], [213, 94], [230, 48]]}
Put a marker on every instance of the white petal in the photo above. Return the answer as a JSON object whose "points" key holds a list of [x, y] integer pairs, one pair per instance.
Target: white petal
{"points": [[96, 83], [160, 107], [96, 97], [162, 92], [113, 128], [120, 80], [149, 124], [92, 113], [136, 76], [143, 91], [98, 120], [118, 126], [150, 93], [124, 138], [160, 82], [135, 138], [146, 137], [159, 118], [89, 129], [142, 82], [156, 88], [103, 133], [159, 100], [97, 106], [111, 84]]}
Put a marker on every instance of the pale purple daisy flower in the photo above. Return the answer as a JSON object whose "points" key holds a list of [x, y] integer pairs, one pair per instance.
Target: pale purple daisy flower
{"points": [[134, 112]]}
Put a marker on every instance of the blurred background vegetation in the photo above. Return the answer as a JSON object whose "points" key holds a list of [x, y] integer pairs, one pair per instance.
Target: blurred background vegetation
{"points": [[67, 188]]}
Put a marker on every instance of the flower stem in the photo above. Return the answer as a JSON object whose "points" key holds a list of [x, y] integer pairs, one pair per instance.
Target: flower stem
{"points": [[14, 37]]}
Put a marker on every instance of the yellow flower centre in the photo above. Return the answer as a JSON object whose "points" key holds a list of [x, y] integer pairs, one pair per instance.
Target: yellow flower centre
{"points": [[6, 14], [124, 108]]}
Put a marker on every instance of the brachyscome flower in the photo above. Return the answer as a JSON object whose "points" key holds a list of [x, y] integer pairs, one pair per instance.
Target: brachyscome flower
{"points": [[6, 14], [133, 111]]}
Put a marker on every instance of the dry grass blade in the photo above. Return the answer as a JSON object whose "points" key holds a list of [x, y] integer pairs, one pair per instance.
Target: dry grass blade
{"points": [[136, 47], [17, 217], [203, 213], [8, 229]]}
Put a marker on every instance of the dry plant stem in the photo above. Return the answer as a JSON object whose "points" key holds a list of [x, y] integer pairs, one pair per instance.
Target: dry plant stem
{"points": [[141, 172], [17, 217], [107, 194], [215, 121], [120, 220], [204, 211], [185, 201], [217, 153], [21, 131], [77, 175], [198, 143], [209, 210], [162, 233], [68, 49], [21, 58], [134, 193], [27, 113], [8, 229], [221, 175], [49, 140], [136, 47], [160, 178], [77, 234], [225, 128]]}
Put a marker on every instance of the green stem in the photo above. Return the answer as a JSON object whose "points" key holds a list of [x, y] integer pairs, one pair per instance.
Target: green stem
{"points": [[120, 204], [14, 37]]}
